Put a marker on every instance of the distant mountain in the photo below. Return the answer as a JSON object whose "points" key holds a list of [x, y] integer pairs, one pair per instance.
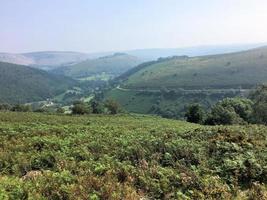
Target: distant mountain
{"points": [[16, 59], [21, 84], [52, 59], [47, 60], [154, 54], [112, 65]]}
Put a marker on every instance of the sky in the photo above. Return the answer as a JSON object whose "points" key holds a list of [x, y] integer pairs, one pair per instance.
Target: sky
{"points": [[114, 25]]}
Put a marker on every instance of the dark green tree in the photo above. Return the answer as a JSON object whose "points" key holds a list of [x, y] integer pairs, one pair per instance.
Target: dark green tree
{"points": [[21, 108], [80, 108], [195, 114], [259, 98], [97, 107], [230, 111]]}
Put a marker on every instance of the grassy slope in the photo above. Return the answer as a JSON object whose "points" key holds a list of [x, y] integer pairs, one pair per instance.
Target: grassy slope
{"points": [[128, 157], [220, 71], [228, 71], [20, 84], [111, 65]]}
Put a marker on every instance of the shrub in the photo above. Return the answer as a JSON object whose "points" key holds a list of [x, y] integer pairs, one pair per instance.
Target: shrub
{"points": [[21, 108], [259, 97], [45, 161], [230, 111], [112, 106], [80, 108], [194, 114], [60, 110], [97, 107], [5, 107]]}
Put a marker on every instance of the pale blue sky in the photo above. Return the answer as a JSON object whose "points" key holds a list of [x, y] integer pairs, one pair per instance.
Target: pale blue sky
{"points": [[114, 25]]}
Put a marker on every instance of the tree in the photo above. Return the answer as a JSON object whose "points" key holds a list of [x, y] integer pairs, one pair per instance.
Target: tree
{"points": [[230, 111], [112, 106], [259, 98], [194, 114], [242, 107], [222, 116], [97, 107], [80, 108], [5, 107], [60, 110], [21, 108]]}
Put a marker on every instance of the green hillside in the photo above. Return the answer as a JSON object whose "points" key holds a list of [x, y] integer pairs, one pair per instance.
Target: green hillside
{"points": [[243, 69], [128, 157], [108, 66], [21, 84], [168, 85]]}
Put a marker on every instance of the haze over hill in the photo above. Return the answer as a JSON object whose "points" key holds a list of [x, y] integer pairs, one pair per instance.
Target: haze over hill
{"points": [[111, 66], [50, 60], [153, 54], [44, 60], [22, 84]]}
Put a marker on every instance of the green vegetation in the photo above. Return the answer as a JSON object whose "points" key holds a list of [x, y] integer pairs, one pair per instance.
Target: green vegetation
{"points": [[100, 68], [168, 85], [21, 84], [231, 111], [259, 96], [243, 69], [128, 157], [167, 103], [195, 114], [81, 108]]}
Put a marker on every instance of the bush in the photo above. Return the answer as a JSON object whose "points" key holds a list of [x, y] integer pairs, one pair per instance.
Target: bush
{"points": [[194, 114], [97, 107], [21, 108], [5, 107], [259, 97], [112, 106], [80, 108], [230, 111], [60, 110]]}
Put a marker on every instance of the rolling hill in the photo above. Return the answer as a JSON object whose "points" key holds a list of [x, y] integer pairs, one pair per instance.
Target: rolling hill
{"points": [[154, 54], [171, 83], [46, 60], [243, 69], [21, 84], [108, 66]]}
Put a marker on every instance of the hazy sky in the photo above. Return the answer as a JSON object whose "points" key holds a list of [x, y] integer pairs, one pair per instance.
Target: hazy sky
{"points": [[105, 25]]}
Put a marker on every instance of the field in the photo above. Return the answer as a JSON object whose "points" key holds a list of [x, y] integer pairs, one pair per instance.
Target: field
{"points": [[128, 157]]}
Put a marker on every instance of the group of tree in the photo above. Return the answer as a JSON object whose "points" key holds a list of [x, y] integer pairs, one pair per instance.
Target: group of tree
{"points": [[232, 110], [30, 108], [15, 108], [95, 107]]}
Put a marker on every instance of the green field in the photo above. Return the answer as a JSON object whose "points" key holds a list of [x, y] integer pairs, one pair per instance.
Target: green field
{"points": [[128, 157]]}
